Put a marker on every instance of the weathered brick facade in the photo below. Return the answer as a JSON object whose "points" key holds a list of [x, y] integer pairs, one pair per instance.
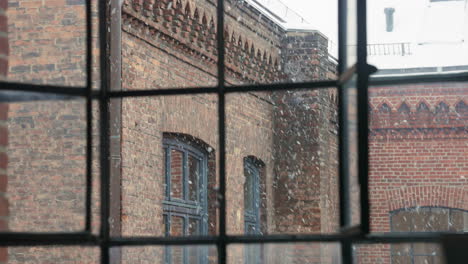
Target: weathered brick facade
{"points": [[293, 133], [418, 153]]}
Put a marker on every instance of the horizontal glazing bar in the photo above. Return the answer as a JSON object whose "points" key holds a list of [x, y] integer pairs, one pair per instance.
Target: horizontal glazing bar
{"points": [[233, 89], [411, 79], [40, 239], [65, 90]]}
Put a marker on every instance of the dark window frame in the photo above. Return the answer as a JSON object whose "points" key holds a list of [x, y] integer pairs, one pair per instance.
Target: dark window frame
{"points": [[347, 236], [185, 208], [253, 218], [253, 254]]}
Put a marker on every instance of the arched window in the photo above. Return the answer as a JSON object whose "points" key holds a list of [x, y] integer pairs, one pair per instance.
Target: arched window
{"points": [[252, 207], [251, 197], [425, 219], [185, 204]]}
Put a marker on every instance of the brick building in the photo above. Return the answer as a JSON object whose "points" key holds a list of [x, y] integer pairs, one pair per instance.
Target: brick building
{"points": [[281, 146]]}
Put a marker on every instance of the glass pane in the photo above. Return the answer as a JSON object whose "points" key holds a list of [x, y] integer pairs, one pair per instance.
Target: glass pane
{"points": [[417, 149], [248, 191], [194, 227], [272, 41], [391, 253], [458, 221], [401, 222], [177, 226], [55, 254], [43, 162], [187, 125], [402, 249], [177, 174], [427, 249], [168, 45], [193, 175], [423, 260], [293, 134], [285, 253], [419, 36], [401, 260], [47, 41], [170, 254]]}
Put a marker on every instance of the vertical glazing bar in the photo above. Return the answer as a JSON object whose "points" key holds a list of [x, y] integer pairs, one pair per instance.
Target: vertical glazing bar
{"points": [[89, 118], [104, 135], [343, 148], [221, 245], [345, 215], [363, 119]]}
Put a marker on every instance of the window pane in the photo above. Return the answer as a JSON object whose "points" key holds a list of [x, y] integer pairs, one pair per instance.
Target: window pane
{"points": [[417, 152], [458, 221], [170, 254], [423, 260], [427, 249], [194, 169], [47, 41], [194, 227], [294, 135], [391, 253], [43, 163], [402, 222], [177, 174], [272, 41], [186, 127], [285, 253], [168, 45], [248, 191], [423, 36], [402, 249], [401, 260], [177, 226]]}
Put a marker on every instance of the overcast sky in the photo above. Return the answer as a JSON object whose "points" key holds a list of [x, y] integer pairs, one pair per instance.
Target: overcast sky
{"points": [[438, 31], [321, 14]]}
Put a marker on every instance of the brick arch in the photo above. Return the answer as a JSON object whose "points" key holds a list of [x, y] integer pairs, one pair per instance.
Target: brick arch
{"points": [[383, 104], [442, 106], [403, 106], [440, 196], [423, 102], [261, 165], [460, 106]]}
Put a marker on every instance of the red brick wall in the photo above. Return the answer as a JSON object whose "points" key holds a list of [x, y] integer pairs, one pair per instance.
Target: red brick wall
{"points": [[47, 41], [418, 157], [46, 169], [161, 48], [159, 51]]}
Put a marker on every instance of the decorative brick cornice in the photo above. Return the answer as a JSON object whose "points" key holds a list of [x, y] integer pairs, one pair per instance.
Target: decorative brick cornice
{"points": [[191, 30], [411, 120]]}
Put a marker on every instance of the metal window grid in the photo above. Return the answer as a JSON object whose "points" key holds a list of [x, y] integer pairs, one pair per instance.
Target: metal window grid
{"points": [[348, 234]]}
